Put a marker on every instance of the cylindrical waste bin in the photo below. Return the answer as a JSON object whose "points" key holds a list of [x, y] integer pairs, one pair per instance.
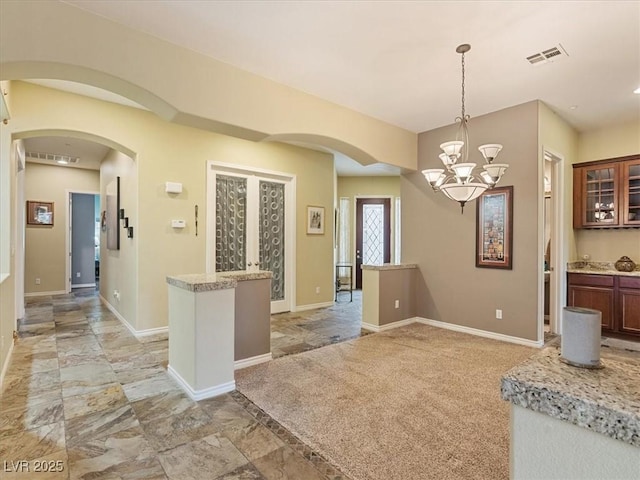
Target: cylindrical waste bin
{"points": [[580, 344]]}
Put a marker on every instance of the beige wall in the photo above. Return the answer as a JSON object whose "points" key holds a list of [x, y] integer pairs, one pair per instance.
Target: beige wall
{"points": [[119, 268], [216, 96], [442, 241], [45, 247], [608, 245], [560, 139], [7, 241], [167, 152]]}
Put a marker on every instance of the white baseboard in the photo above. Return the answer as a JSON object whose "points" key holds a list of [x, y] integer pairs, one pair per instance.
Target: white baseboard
{"points": [[196, 395], [312, 306], [248, 362], [481, 333], [82, 285], [7, 361], [43, 294], [136, 333], [388, 326], [151, 331]]}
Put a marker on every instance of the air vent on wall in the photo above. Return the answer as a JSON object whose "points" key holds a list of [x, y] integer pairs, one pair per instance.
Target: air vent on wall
{"points": [[547, 56], [63, 159]]}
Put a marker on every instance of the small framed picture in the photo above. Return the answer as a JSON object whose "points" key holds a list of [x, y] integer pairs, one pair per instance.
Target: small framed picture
{"points": [[315, 220], [40, 213]]}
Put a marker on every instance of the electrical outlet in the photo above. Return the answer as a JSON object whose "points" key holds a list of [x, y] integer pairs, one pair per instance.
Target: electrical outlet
{"points": [[499, 314], [397, 304], [77, 274], [37, 281], [317, 289], [116, 294]]}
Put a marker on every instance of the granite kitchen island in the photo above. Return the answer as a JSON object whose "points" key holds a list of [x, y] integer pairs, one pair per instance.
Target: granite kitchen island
{"points": [[575, 423]]}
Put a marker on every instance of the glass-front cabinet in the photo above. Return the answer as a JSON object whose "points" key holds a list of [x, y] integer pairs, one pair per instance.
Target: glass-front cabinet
{"points": [[631, 192], [606, 193]]}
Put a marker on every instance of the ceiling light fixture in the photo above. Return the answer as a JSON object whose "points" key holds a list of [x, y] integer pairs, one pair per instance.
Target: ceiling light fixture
{"points": [[637, 90], [459, 183]]}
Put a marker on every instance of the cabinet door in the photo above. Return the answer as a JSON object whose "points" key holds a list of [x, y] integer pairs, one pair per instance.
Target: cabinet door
{"points": [[629, 305], [600, 199], [630, 178], [597, 298], [630, 311]]}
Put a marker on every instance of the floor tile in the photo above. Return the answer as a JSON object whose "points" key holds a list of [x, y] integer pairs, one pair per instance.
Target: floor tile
{"points": [[86, 378], [99, 424], [108, 397], [285, 464], [96, 402], [124, 454], [204, 459], [32, 444]]}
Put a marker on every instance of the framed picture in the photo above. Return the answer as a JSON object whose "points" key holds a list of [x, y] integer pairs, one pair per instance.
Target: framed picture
{"points": [[315, 220], [494, 236], [40, 213]]}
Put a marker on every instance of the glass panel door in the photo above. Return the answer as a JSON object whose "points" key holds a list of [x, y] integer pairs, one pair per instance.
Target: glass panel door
{"points": [[373, 234], [231, 223], [601, 198], [631, 189], [271, 235]]}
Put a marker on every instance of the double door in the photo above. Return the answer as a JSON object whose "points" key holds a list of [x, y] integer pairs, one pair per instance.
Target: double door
{"points": [[252, 226]]}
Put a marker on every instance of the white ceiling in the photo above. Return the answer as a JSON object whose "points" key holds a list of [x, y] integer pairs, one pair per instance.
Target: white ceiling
{"points": [[396, 60], [89, 153]]}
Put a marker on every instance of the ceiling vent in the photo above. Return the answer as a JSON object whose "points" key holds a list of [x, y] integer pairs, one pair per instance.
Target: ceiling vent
{"points": [[63, 159], [547, 56]]}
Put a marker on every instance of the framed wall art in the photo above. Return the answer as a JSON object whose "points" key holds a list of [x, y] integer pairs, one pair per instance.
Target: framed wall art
{"points": [[40, 213], [494, 235], [315, 220]]}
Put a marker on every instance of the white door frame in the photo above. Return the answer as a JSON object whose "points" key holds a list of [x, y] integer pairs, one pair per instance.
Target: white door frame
{"points": [[20, 233], [557, 277], [289, 181], [68, 236]]}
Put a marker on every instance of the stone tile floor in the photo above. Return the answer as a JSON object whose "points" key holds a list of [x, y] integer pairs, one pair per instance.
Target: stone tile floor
{"points": [[296, 332], [84, 399]]}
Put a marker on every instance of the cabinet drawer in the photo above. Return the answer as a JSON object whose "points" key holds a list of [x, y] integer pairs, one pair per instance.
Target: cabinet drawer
{"points": [[591, 280], [629, 282]]}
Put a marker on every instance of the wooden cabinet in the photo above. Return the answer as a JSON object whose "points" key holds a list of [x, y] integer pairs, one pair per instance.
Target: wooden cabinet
{"points": [[593, 291], [616, 296], [606, 193]]}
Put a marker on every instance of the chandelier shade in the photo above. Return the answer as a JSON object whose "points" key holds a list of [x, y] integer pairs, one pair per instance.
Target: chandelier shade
{"points": [[463, 193], [457, 180]]}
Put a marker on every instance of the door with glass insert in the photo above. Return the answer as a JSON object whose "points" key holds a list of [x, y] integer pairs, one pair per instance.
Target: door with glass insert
{"points": [[250, 233], [373, 233]]}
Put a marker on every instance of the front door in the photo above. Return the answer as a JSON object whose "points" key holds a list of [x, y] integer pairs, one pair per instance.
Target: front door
{"points": [[373, 233]]}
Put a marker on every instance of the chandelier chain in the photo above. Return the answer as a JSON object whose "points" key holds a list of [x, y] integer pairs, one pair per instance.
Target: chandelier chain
{"points": [[463, 111]]}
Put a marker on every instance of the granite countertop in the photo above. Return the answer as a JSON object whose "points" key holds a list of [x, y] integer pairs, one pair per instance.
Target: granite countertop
{"points": [[241, 276], [604, 400], [599, 268], [390, 266], [202, 282]]}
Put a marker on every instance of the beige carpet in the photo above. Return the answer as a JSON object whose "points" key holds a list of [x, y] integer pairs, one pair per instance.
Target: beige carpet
{"points": [[416, 402]]}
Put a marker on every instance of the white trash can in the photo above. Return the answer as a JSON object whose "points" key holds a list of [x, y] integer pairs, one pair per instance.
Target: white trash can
{"points": [[580, 343]]}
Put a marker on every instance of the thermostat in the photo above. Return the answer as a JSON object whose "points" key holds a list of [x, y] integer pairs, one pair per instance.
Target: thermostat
{"points": [[173, 187], [178, 223]]}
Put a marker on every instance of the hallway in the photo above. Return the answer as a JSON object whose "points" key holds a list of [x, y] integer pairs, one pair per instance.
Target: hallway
{"points": [[93, 401]]}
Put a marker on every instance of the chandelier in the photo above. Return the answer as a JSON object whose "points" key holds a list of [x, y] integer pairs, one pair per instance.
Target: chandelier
{"points": [[459, 183]]}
